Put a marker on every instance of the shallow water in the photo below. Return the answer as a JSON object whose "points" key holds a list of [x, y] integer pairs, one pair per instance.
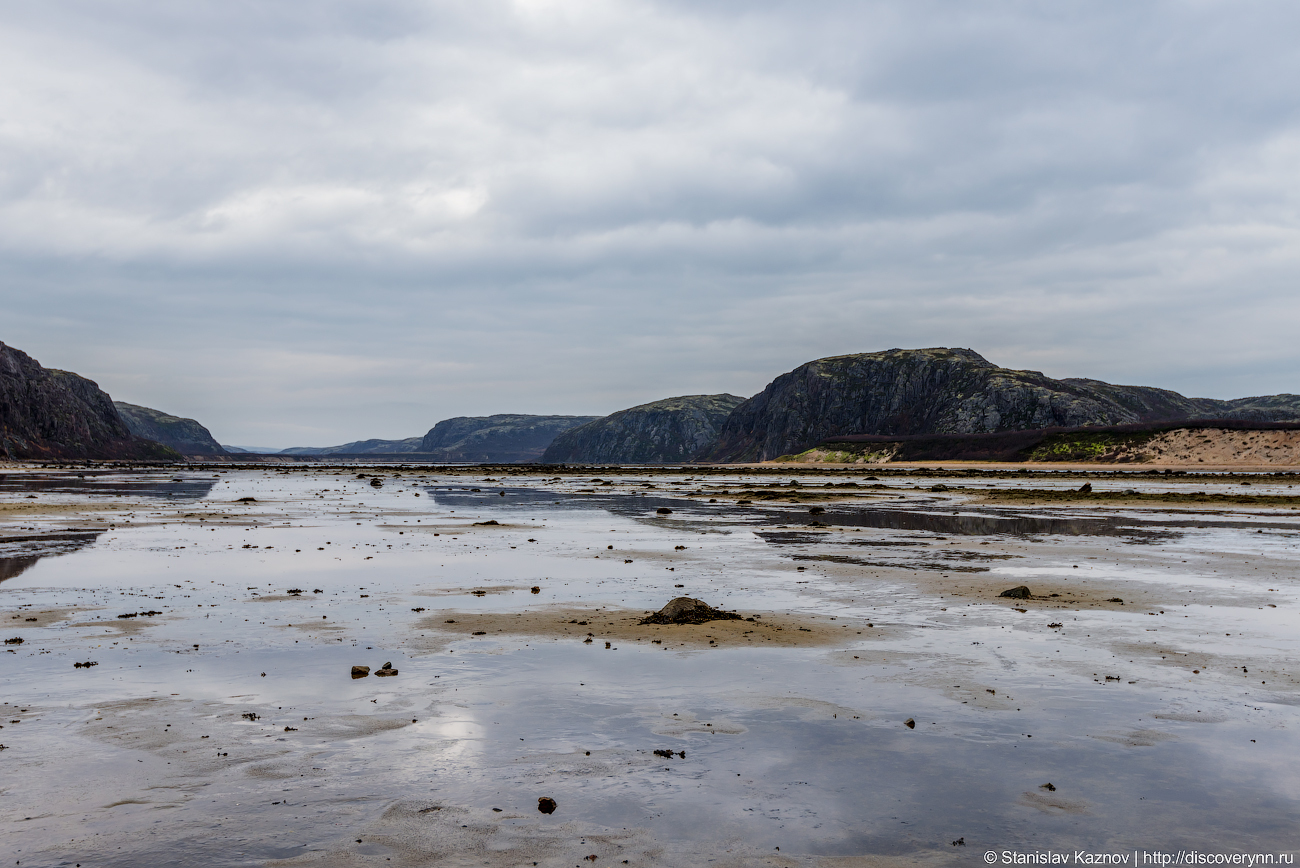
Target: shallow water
{"points": [[798, 748]]}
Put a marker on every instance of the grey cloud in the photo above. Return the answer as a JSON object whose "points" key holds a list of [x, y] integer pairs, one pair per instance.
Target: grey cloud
{"points": [[318, 223]]}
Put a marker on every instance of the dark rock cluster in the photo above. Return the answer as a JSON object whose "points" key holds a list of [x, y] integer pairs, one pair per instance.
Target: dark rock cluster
{"points": [[687, 610]]}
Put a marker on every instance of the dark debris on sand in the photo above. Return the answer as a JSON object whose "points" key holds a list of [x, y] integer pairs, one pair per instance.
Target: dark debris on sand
{"points": [[687, 610]]}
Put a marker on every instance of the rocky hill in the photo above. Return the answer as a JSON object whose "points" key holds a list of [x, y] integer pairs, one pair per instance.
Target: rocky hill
{"points": [[948, 391], [46, 413], [184, 435], [661, 432], [359, 447], [506, 438]]}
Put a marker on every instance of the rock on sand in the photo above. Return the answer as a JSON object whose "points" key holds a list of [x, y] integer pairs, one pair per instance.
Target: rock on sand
{"points": [[687, 610]]}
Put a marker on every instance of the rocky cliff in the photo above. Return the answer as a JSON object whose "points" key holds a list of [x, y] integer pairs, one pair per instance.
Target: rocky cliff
{"points": [[184, 435], [507, 438], [661, 432], [948, 391], [46, 413]]}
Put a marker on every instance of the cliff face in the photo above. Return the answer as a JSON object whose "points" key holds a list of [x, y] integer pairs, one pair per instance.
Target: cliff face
{"points": [[512, 438], [904, 392], [46, 413], [184, 435], [662, 432], [949, 391]]}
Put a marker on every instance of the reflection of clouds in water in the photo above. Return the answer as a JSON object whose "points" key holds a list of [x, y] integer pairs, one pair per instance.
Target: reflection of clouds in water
{"points": [[459, 738]]}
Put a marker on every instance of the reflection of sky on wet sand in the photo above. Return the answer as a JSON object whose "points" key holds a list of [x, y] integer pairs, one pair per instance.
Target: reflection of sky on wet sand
{"points": [[33, 547], [807, 752]]}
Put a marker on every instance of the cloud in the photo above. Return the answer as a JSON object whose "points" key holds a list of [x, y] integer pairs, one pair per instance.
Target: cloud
{"points": [[579, 205]]}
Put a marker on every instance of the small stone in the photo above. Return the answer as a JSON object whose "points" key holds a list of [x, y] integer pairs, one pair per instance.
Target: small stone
{"points": [[663, 510], [1048, 786], [385, 672], [1019, 593], [1086, 488], [909, 723], [817, 510], [360, 671], [536, 589], [546, 805]]}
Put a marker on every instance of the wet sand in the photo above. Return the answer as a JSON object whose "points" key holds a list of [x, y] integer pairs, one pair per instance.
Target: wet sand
{"points": [[1151, 676], [621, 625]]}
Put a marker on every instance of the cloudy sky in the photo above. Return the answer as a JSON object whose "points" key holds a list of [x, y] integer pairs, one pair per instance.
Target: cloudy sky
{"points": [[306, 223]]}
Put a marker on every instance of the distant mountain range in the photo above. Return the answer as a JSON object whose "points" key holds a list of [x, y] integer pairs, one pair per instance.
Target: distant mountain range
{"points": [[49, 413], [510, 438], [357, 447]]}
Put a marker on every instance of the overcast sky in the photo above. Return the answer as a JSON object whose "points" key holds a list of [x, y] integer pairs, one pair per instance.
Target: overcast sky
{"points": [[307, 223]]}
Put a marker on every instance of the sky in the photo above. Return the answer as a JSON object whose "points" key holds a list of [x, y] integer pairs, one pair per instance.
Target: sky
{"points": [[309, 223]]}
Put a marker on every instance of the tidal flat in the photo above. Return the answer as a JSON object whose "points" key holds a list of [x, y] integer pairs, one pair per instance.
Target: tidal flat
{"points": [[177, 684]]}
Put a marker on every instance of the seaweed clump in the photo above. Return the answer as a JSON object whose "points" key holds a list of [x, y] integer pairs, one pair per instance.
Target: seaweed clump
{"points": [[687, 610]]}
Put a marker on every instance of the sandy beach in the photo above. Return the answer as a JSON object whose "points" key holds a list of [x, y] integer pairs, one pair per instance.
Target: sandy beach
{"points": [[182, 691]]}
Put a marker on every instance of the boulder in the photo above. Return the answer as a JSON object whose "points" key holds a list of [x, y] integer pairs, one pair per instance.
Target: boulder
{"points": [[1020, 593]]}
